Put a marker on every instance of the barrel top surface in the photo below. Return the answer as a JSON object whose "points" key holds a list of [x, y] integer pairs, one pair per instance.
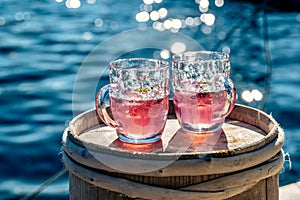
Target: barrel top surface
{"points": [[245, 129]]}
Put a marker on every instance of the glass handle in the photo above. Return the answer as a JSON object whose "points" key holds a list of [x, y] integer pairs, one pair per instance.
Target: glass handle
{"points": [[230, 94], [101, 106]]}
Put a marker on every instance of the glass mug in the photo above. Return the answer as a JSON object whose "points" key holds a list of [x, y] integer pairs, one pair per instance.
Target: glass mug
{"points": [[139, 99], [203, 91]]}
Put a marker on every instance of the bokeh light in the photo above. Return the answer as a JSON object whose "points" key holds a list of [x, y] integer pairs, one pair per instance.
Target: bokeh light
{"points": [[158, 26], [154, 15], [148, 1], [203, 9], [73, 4], [163, 12], [257, 95], [189, 21], [178, 47], [87, 36], [226, 49], [146, 7], [219, 3], [222, 35], [249, 96], [208, 19], [165, 54], [43, 44], [168, 24], [204, 3], [98, 22], [22, 16], [176, 23], [142, 16], [158, 14], [91, 1]]}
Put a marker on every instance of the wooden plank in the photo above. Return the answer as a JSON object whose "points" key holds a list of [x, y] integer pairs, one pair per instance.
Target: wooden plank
{"points": [[214, 189], [184, 163], [160, 167], [241, 133], [273, 187], [258, 192]]}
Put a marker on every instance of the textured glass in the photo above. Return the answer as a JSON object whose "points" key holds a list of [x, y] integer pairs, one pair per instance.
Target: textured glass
{"points": [[203, 91], [145, 78], [139, 99]]}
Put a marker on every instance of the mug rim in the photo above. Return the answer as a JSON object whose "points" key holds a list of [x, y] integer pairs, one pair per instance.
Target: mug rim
{"points": [[159, 64], [192, 54]]}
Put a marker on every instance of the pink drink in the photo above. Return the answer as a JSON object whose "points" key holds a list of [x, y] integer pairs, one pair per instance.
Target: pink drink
{"points": [[201, 111], [140, 119]]}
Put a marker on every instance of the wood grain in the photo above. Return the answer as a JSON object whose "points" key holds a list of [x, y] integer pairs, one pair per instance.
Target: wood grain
{"points": [[241, 161]]}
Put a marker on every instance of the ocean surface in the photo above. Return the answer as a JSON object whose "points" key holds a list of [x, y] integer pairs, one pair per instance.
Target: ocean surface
{"points": [[54, 56]]}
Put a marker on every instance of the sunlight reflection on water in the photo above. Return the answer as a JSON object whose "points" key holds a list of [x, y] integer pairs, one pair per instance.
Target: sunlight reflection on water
{"points": [[44, 43]]}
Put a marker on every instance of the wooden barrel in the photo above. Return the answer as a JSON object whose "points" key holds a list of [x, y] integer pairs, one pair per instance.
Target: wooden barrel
{"points": [[242, 161]]}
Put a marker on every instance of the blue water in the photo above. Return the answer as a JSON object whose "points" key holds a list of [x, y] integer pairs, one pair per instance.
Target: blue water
{"points": [[43, 45]]}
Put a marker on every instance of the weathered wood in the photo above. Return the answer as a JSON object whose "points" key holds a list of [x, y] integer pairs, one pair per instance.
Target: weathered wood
{"points": [[272, 189], [241, 161], [245, 129], [258, 192], [266, 189], [86, 191], [199, 166], [217, 188]]}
